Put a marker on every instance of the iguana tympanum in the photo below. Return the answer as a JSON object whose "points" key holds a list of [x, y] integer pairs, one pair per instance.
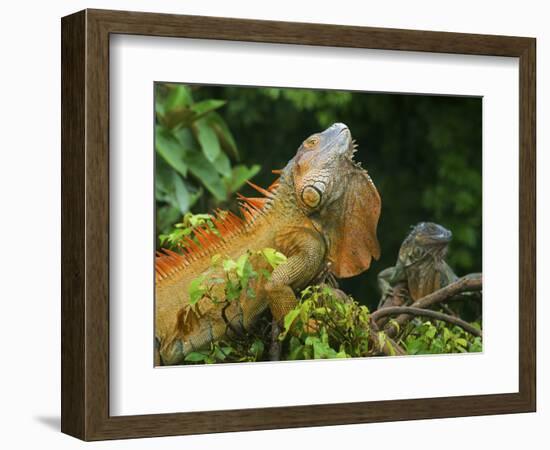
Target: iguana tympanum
{"points": [[321, 212], [421, 267]]}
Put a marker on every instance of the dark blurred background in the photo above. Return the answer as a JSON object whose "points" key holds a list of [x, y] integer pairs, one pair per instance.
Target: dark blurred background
{"points": [[423, 152]]}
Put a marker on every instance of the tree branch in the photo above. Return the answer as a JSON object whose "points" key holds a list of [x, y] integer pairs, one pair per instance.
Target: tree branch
{"points": [[409, 310], [468, 283]]}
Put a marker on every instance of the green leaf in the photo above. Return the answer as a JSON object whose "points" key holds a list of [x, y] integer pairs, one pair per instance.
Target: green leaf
{"points": [[257, 349], [462, 342], [290, 318], [321, 350], [224, 134], [179, 96], [241, 261], [414, 346], [222, 165], [182, 194], [239, 175], [166, 216], [219, 353], [232, 290], [196, 357], [196, 289], [245, 272], [273, 257], [229, 265], [296, 352], [206, 106], [170, 150], [185, 138], [208, 140], [205, 172]]}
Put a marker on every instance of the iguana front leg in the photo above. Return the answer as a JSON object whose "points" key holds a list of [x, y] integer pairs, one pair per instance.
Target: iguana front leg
{"points": [[305, 260], [392, 284]]}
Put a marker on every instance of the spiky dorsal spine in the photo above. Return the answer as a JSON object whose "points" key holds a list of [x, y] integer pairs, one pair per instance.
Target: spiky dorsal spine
{"points": [[204, 240]]}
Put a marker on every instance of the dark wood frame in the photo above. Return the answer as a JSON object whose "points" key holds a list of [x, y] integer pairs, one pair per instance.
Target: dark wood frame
{"points": [[85, 224]]}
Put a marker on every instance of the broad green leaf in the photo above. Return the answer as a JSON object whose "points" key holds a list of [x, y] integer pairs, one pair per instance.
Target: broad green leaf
{"points": [[196, 289], [431, 332], [182, 194], [273, 257], [196, 357], [462, 342], [185, 138], [227, 350], [206, 106], [239, 175], [257, 349], [224, 134], [219, 353], [170, 150], [208, 140], [241, 261], [166, 216], [163, 177], [205, 172], [222, 165], [323, 351], [179, 95], [290, 318], [229, 265], [232, 290], [296, 352]]}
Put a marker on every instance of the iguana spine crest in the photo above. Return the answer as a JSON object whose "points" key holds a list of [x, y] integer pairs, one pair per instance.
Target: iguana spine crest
{"points": [[227, 224]]}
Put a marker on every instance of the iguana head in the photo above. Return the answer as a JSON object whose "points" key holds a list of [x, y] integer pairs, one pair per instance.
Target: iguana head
{"points": [[339, 197], [426, 241]]}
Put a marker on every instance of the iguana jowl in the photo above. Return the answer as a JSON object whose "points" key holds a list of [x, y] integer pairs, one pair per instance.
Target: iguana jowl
{"points": [[420, 268], [322, 211]]}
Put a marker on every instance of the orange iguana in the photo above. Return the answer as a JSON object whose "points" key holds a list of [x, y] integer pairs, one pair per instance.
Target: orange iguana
{"points": [[321, 213]]}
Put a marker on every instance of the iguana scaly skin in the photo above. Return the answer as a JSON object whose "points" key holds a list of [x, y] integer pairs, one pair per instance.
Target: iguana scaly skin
{"points": [[322, 212], [421, 267]]}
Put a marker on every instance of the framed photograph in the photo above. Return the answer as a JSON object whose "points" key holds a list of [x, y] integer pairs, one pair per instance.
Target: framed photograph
{"points": [[272, 225]]}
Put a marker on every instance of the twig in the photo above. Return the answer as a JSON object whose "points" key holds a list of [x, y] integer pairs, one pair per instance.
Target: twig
{"points": [[409, 310], [275, 345], [229, 325], [389, 343], [468, 283]]}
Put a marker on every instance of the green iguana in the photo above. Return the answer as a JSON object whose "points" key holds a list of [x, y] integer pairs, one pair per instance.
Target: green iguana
{"points": [[420, 269], [321, 212]]}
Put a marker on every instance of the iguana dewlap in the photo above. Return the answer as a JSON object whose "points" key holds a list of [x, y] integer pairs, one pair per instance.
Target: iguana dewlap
{"points": [[323, 209]]}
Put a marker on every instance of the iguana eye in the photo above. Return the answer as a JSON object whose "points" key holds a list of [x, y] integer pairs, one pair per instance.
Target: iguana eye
{"points": [[311, 196], [311, 142], [418, 252]]}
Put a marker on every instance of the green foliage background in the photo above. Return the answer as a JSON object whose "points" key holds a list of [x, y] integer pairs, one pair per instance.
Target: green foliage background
{"points": [[422, 151]]}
